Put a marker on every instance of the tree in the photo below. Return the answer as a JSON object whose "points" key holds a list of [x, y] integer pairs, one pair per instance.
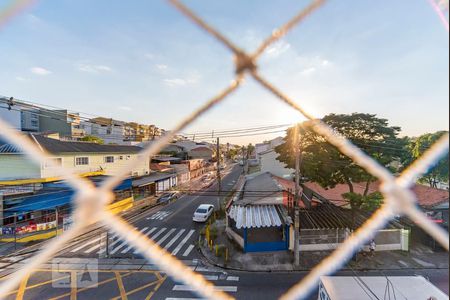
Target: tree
{"points": [[326, 165], [418, 146], [250, 150], [92, 139]]}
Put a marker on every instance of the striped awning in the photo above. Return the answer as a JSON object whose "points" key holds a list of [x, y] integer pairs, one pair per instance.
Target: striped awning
{"points": [[255, 216]]}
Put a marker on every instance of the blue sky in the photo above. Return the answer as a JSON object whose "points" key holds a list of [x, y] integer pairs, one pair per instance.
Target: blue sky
{"points": [[143, 61]]}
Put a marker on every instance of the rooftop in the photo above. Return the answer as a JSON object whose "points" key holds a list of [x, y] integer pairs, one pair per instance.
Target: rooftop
{"points": [[57, 147]]}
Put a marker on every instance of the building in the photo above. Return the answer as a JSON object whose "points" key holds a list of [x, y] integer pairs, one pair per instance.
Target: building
{"points": [[68, 125], [257, 219], [269, 163], [19, 115], [378, 287], [109, 130], [153, 184], [201, 152], [268, 145], [78, 157]]}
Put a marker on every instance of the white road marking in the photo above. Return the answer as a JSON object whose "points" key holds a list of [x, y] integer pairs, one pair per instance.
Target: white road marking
{"points": [[154, 237], [176, 237], [211, 277], [188, 250], [188, 288], [124, 243], [232, 278], [96, 246], [166, 236], [86, 244], [143, 231], [180, 245]]}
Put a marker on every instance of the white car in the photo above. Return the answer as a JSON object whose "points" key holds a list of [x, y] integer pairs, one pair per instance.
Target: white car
{"points": [[203, 212]]}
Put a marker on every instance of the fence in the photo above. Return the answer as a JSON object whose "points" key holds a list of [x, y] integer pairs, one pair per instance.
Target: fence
{"points": [[91, 201], [330, 239]]}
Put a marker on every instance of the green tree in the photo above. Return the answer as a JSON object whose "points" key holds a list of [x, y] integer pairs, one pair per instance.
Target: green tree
{"points": [[250, 150], [92, 139], [325, 164], [418, 146]]}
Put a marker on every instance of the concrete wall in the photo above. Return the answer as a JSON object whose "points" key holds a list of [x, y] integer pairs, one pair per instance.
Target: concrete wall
{"points": [[329, 239], [269, 163], [17, 166]]}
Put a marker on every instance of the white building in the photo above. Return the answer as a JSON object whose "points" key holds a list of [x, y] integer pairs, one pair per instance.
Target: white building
{"points": [[269, 163], [263, 147], [77, 157], [109, 130], [19, 115]]}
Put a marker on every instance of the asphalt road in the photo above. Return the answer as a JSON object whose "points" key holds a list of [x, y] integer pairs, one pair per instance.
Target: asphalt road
{"points": [[171, 225]]}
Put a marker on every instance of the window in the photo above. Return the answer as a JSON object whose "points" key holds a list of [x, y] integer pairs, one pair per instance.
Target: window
{"points": [[81, 161], [121, 157], [56, 161], [109, 159]]}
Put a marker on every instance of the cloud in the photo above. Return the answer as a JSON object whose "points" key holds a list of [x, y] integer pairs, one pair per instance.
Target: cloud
{"points": [[175, 82], [126, 108], [277, 49], [149, 55], [20, 78], [93, 68], [40, 71], [161, 67], [308, 71]]}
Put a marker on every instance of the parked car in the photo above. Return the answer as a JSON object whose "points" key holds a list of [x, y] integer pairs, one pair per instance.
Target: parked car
{"points": [[203, 212], [167, 197]]}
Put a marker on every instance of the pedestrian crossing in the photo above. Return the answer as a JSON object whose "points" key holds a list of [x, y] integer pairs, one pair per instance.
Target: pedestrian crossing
{"points": [[221, 280], [160, 215], [178, 241]]}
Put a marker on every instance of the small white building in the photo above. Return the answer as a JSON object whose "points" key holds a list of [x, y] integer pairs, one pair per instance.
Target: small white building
{"points": [[269, 163], [109, 130], [77, 157], [378, 287]]}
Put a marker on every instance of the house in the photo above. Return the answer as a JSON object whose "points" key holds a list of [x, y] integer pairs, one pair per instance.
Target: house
{"points": [[197, 167], [175, 151], [77, 157], [182, 171], [109, 130], [201, 152], [41, 201], [266, 146], [153, 184], [257, 220], [269, 163]]}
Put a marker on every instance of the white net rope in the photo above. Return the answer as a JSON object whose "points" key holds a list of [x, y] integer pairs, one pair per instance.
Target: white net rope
{"points": [[91, 202]]}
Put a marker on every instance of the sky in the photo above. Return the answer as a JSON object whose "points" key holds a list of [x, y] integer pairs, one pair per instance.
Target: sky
{"points": [[143, 61]]}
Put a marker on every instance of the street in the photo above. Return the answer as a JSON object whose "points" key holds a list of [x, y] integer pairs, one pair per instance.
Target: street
{"points": [[125, 275]]}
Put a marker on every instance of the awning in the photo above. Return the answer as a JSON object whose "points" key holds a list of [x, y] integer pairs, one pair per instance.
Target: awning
{"points": [[155, 177], [257, 216]]}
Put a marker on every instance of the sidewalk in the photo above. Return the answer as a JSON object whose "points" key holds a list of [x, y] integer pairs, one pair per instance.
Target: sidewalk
{"points": [[420, 257]]}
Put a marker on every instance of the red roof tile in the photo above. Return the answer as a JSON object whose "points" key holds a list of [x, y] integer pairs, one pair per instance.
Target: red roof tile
{"points": [[427, 196]]}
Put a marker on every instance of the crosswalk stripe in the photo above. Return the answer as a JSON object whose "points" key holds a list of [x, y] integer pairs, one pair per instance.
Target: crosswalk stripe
{"points": [[164, 215], [154, 237], [232, 278], [173, 240], [154, 216], [188, 288], [166, 236], [143, 231], [180, 245], [97, 246], [86, 244], [188, 250], [124, 243]]}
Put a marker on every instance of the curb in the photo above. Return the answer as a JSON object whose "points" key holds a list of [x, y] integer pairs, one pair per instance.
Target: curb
{"points": [[210, 262]]}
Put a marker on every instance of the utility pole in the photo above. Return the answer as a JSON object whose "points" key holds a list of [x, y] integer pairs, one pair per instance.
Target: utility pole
{"points": [[219, 183], [296, 202], [56, 220], [15, 231]]}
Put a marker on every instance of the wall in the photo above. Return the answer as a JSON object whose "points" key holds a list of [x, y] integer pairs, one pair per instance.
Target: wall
{"points": [[17, 166], [12, 117], [55, 121], [97, 162], [269, 163], [329, 239]]}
